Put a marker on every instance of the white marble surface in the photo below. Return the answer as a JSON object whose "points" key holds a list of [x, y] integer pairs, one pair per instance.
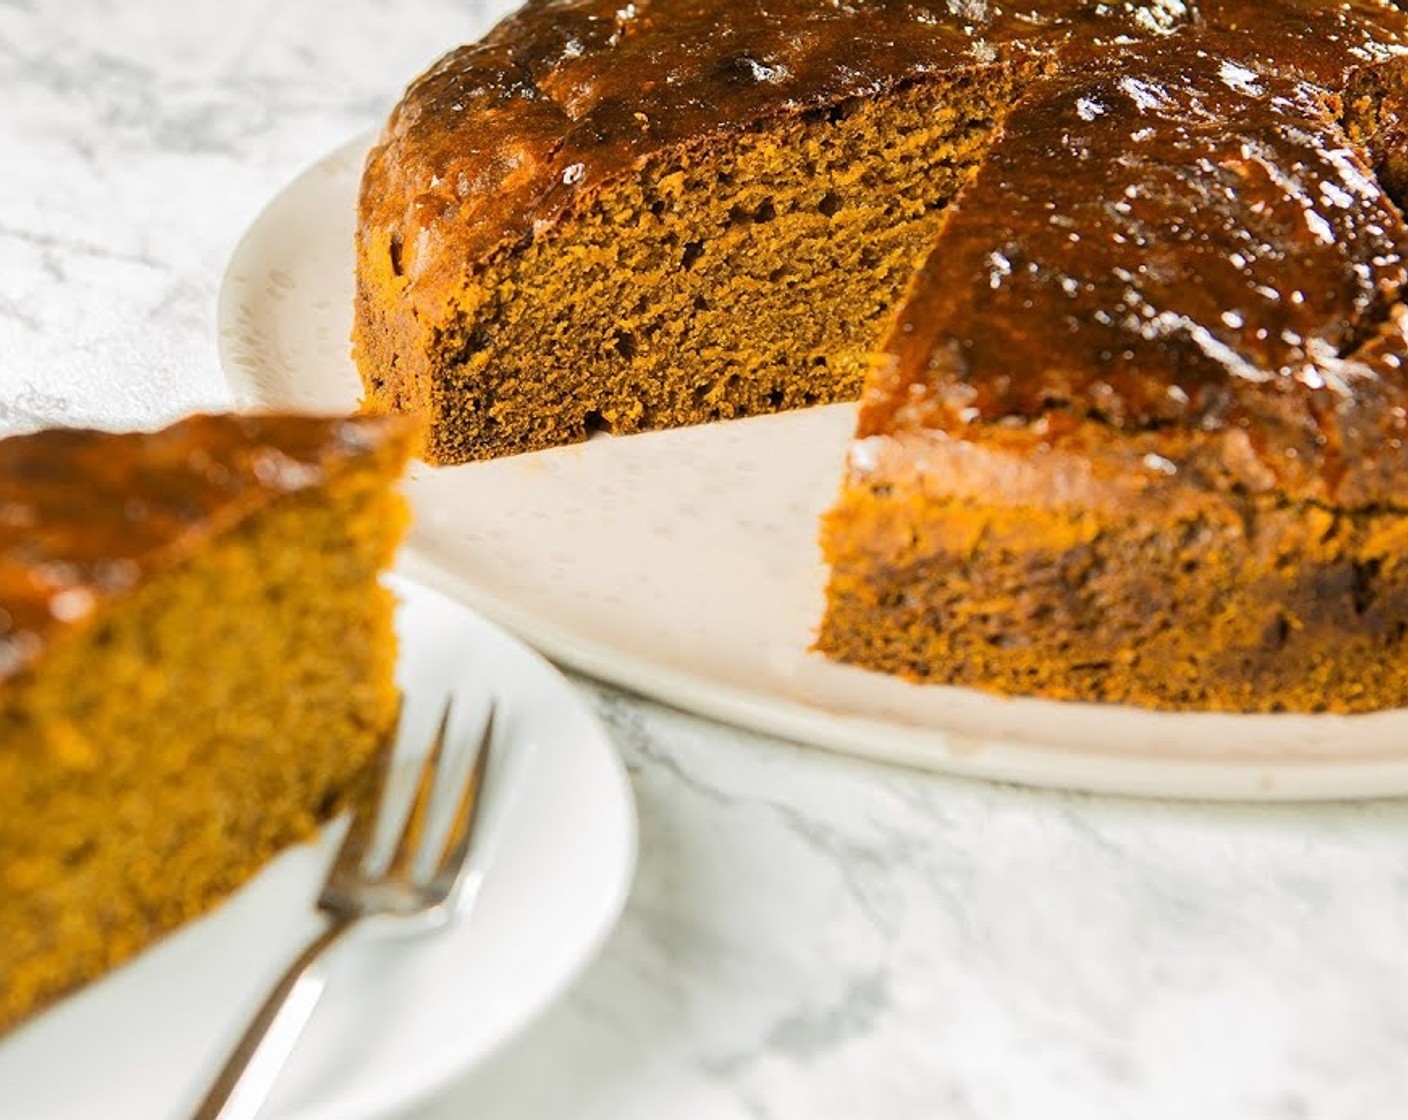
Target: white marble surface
{"points": [[809, 936]]}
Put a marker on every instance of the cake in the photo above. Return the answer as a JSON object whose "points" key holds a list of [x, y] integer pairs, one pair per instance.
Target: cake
{"points": [[196, 665], [1118, 286]]}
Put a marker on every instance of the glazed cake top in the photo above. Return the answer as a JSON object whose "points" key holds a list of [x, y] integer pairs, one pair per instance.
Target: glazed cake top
{"points": [[1183, 247], [1182, 234], [87, 515], [498, 138]]}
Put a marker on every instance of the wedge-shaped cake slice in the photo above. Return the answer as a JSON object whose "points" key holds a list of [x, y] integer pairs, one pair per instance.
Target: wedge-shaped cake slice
{"points": [[195, 669]]}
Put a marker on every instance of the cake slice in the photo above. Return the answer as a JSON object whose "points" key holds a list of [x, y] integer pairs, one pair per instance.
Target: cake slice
{"points": [[196, 664]]}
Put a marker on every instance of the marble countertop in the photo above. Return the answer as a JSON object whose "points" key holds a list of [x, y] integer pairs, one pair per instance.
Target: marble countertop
{"points": [[808, 936]]}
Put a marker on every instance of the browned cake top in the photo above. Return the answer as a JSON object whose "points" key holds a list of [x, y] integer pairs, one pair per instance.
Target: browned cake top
{"points": [[498, 138], [85, 515], [1182, 243], [1179, 235]]}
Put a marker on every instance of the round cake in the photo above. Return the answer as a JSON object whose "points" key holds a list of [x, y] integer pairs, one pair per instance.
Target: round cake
{"points": [[1119, 287]]}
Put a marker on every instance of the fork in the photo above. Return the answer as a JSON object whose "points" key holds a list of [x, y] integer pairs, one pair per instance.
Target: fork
{"points": [[420, 877]]}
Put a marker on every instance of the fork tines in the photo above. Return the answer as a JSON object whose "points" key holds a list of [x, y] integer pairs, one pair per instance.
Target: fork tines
{"points": [[421, 867]]}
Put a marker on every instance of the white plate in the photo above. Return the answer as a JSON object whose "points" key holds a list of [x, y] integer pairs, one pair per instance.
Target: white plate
{"points": [[684, 565], [404, 1012]]}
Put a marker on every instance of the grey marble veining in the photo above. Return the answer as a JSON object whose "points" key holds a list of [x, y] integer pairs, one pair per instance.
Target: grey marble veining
{"points": [[811, 936], [808, 936]]}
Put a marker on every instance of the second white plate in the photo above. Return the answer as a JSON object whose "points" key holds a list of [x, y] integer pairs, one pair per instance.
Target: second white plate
{"points": [[684, 565]]}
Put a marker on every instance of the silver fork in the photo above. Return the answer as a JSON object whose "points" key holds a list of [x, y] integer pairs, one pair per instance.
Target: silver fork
{"points": [[421, 877]]}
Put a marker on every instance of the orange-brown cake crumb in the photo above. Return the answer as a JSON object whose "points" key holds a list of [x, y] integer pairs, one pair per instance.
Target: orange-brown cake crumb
{"points": [[196, 665]]}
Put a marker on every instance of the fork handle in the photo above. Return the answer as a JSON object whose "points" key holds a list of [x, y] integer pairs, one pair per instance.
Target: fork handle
{"points": [[242, 1087]]}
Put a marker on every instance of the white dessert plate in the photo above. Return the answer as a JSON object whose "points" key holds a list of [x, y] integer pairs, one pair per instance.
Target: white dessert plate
{"points": [[405, 1010], [684, 565]]}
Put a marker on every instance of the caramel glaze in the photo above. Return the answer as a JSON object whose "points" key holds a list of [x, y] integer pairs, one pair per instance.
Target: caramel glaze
{"points": [[500, 139], [86, 515], [1177, 243], [1175, 238]]}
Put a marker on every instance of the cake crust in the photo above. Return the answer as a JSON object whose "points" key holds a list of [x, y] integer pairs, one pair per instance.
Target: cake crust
{"points": [[1200, 258], [500, 139], [502, 143], [86, 515]]}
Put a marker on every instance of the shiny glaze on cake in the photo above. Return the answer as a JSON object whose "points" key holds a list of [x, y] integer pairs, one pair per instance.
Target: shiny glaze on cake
{"points": [[1150, 142], [86, 515], [1178, 262], [498, 139]]}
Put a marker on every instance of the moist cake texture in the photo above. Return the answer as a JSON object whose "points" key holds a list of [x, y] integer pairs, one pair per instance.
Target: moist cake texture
{"points": [[625, 217], [1120, 286], [195, 670]]}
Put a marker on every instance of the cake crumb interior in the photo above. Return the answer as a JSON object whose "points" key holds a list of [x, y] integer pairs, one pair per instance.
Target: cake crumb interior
{"points": [[208, 719], [714, 283]]}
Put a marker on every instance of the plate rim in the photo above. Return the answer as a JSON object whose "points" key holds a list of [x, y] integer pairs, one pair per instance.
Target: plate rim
{"points": [[1010, 760], [437, 1076]]}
